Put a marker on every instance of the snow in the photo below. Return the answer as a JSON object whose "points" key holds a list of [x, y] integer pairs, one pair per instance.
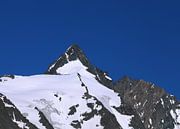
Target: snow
{"points": [[51, 66], [3, 79], [176, 116], [172, 101], [71, 67], [150, 121], [93, 123], [141, 114], [162, 121], [145, 103], [67, 57], [162, 102], [137, 105], [6, 104], [123, 120], [108, 77], [53, 95], [20, 123]]}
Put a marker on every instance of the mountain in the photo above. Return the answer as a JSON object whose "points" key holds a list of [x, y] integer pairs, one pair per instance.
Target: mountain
{"points": [[74, 94], [75, 54]]}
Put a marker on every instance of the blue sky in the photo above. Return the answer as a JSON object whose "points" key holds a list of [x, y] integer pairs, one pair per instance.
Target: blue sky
{"points": [[140, 39]]}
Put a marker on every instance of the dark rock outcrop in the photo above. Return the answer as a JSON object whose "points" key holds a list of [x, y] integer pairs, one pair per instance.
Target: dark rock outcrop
{"points": [[149, 103], [10, 115]]}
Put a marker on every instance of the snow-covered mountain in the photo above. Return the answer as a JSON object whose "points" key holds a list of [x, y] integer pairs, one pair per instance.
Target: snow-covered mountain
{"points": [[73, 94]]}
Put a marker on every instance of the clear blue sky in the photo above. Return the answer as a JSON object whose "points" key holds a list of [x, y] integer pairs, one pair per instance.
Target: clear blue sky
{"points": [[140, 39]]}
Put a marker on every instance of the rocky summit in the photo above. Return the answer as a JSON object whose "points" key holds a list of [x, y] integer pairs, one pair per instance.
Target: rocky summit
{"points": [[74, 94]]}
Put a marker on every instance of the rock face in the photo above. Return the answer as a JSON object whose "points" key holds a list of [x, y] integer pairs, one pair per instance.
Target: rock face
{"points": [[74, 94], [10, 116], [75, 53], [155, 108]]}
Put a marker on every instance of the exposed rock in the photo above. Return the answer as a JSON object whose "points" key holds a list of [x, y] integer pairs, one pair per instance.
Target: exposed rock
{"points": [[150, 103]]}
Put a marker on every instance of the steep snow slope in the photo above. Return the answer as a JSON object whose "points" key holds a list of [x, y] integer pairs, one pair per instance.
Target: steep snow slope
{"points": [[71, 100], [74, 94]]}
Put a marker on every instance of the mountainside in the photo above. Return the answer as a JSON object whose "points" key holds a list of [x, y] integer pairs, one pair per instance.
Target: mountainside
{"points": [[74, 94]]}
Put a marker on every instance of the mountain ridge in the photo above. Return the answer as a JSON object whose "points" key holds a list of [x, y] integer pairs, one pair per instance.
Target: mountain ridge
{"points": [[81, 96], [120, 88], [75, 53]]}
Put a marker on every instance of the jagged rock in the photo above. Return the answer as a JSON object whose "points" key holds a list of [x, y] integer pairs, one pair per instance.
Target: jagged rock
{"points": [[75, 53], [149, 102], [74, 94], [10, 116]]}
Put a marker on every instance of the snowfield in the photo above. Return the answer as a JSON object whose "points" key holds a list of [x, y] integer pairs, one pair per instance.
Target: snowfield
{"points": [[56, 95]]}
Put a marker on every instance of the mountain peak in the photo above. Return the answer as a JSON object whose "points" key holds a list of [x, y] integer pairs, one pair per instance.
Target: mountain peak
{"points": [[74, 60], [83, 96], [73, 53], [74, 47]]}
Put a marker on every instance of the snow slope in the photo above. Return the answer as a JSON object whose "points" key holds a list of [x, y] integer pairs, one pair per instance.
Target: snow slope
{"points": [[56, 95], [74, 94]]}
